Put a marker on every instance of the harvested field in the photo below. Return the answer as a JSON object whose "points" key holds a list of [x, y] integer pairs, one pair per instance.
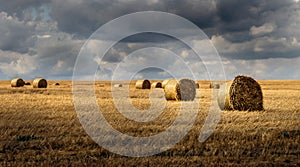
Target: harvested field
{"points": [[40, 127]]}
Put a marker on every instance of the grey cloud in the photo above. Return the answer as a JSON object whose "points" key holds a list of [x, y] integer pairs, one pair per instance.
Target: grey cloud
{"points": [[84, 17], [58, 54], [19, 7], [15, 35], [239, 28], [14, 64]]}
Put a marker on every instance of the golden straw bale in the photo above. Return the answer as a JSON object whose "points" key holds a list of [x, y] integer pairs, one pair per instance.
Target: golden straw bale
{"points": [[224, 97], [243, 94], [27, 83], [156, 85], [17, 82], [164, 83], [214, 85], [143, 84], [184, 90], [39, 83], [246, 94], [118, 85], [197, 85]]}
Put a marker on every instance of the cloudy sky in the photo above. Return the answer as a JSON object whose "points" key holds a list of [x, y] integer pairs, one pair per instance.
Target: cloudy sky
{"points": [[42, 38]]}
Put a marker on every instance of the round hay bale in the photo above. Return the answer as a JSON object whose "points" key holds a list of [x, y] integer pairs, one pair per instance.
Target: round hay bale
{"points": [[224, 97], [17, 82], [39, 83], [164, 83], [156, 85], [184, 90], [118, 85], [197, 85], [246, 94], [213, 85], [143, 84], [56, 84], [27, 83]]}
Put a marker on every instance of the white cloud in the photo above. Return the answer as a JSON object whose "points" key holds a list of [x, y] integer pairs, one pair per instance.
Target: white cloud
{"points": [[273, 68], [262, 30], [19, 64], [43, 36], [267, 46], [184, 54]]}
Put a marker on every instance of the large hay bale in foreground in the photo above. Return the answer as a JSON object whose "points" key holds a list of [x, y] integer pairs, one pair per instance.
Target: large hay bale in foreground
{"points": [[17, 82], [243, 94], [246, 94], [184, 90], [143, 84], [156, 85], [39, 83], [164, 83]]}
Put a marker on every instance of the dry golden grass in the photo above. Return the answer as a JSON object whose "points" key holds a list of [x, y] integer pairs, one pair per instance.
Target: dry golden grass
{"points": [[40, 127]]}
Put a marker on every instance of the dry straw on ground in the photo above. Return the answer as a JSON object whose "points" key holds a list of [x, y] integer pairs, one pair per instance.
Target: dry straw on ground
{"points": [[184, 90], [17, 82], [164, 83], [39, 83], [156, 85], [243, 94], [143, 84]]}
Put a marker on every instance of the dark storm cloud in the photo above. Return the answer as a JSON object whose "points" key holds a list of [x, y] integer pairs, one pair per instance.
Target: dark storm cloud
{"points": [[15, 35], [50, 33], [84, 17], [18, 7], [231, 19], [241, 15], [58, 53]]}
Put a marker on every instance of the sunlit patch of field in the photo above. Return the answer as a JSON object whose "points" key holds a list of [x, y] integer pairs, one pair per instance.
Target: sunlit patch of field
{"points": [[40, 126]]}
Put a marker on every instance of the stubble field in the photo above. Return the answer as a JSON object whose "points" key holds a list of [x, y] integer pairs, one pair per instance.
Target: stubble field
{"points": [[40, 127]]}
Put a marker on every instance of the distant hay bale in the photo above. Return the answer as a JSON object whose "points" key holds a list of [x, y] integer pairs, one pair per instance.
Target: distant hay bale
{"points": [[39, 83], [224, 97], [56, 84], [101, 85], [214, 85], [164, 83], [17, 82], [118, 85], [143, 84], [197, 85], [243, 94], [156, 85], [184, 90], [27, 83], [246, 94]]}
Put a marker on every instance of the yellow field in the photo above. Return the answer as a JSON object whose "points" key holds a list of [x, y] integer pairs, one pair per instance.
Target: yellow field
{"points": [[40, 127]]}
